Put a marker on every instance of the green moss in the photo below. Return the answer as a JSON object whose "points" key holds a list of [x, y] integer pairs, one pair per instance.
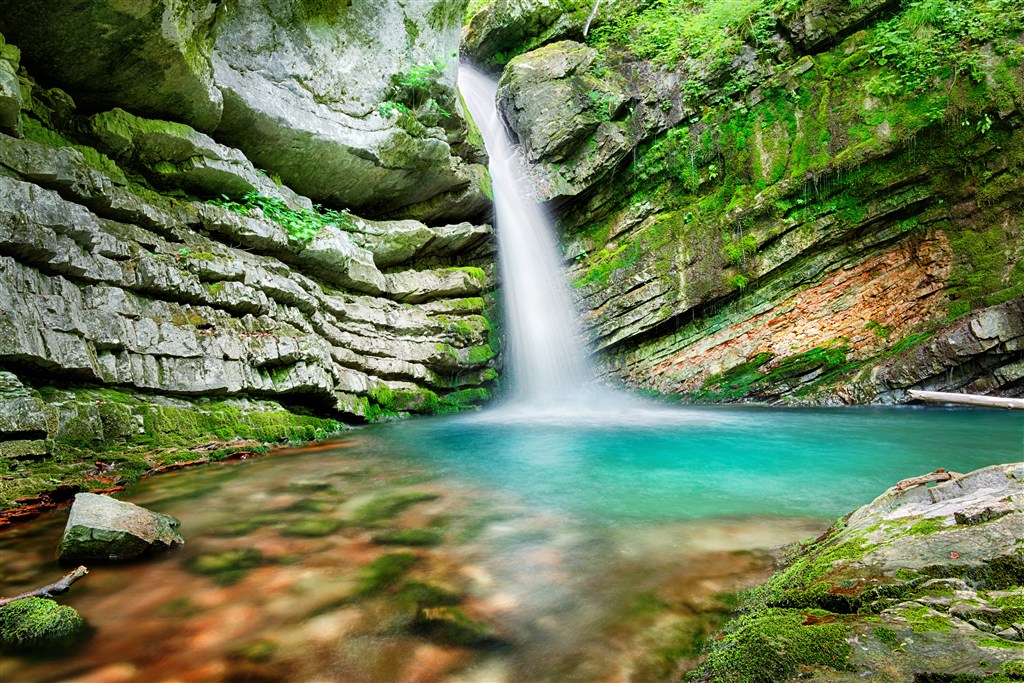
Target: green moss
{"points": [[887, 637], [33, 130], [313, 528], [1000, 643], [923, 619], [927, 527], [384, 572], [773, 645], [1013, 669], [385, 507], [38, 622], [420, 594], [414, 537], [451, 625], [226, 567]]}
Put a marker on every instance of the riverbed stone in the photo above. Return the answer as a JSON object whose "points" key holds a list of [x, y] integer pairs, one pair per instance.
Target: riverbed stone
{"points": [[101, 528], [897, 586]]}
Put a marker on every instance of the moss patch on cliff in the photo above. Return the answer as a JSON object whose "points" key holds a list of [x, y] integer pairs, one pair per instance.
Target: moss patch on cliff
{"points": [[99, 437]]}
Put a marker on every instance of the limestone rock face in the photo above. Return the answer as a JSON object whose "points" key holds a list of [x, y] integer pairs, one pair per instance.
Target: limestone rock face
{"points": [[159, 51], [920, 583], [284, 81], [741, 229], [101, 528], [306, 81], [234, 314]]}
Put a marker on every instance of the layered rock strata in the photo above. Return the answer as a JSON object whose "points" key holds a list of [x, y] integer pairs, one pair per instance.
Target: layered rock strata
{"points": [[772, 218], [134, 315]]}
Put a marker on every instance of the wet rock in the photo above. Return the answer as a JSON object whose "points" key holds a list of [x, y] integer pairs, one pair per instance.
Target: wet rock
{"points": [[546, 98], [503, 28], [176, 155], [10, 99], [227, 567], [101, 528], [35, 623], [868, 580]]}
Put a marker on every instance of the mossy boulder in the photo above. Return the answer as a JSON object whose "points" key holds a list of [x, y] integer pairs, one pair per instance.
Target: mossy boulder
{"points": [[101, 528], [31, 623], [925, 582]]}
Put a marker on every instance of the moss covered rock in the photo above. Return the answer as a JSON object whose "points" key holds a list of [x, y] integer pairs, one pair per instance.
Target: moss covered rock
{"points": [[35, 622], [101, 528], [923, 584]]}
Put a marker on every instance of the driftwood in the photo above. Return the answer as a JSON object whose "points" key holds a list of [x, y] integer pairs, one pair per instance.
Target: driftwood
{"points": [[937, 475], [967, 399], [55, 588]]}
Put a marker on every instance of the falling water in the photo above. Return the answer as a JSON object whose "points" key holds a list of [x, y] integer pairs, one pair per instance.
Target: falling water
{"points": [[547, 362]]}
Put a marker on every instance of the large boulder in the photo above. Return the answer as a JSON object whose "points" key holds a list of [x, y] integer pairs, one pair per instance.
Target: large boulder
{"points": [[921, 584], [101, 528]]}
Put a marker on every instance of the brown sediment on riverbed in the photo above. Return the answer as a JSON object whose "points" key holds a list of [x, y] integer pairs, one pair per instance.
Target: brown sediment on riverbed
{"points": [[216, 451], [359, 567]]}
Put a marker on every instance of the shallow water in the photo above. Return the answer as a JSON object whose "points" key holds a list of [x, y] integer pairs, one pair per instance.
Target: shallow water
{"points": [[596, 545]]}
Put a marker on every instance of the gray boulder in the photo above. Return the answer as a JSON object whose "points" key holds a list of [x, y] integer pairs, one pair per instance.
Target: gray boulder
{"points": [[101, 528], [283, 82]]}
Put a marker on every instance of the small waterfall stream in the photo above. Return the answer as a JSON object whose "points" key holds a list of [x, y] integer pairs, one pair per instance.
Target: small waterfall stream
{"points": [[546, 360]]}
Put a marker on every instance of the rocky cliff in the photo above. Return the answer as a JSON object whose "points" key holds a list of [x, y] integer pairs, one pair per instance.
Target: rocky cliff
{"points": [[165, 276], [814, 201]]}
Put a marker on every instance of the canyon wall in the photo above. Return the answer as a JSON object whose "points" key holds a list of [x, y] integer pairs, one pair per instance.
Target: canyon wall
{"points": [[813, 201], [165, 276]]}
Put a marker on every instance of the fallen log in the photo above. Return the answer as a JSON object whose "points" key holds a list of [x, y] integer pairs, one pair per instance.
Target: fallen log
{"points": [[967, 399], [48, 591]]}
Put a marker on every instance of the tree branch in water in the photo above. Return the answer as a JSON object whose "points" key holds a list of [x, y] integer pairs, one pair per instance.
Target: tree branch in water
{"points": [[55, 588]]}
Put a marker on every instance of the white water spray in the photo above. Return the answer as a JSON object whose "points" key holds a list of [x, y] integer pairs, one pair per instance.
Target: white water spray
{"points": [[546, 362], [551, 380]]}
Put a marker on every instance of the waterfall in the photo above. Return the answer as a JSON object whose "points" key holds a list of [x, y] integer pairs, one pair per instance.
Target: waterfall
{"points": [[546, 361]]}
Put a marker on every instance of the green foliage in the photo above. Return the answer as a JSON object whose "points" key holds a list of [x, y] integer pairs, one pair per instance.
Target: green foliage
{"points": [[301, 224], [931, 40], [417, 91]]}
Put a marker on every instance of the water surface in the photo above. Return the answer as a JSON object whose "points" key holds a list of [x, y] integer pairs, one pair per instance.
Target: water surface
{"points": [[595, 544]]}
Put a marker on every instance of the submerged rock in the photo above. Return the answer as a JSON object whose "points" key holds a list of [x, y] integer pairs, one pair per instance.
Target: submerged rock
{"points": [[35, 622], [913, 586], [101, 528]]}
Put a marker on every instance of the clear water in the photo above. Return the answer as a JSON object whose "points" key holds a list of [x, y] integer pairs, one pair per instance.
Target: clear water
{"points": [[592, 543], [656, 463]]}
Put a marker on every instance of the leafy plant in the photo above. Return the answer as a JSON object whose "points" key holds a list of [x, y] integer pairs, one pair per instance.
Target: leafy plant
{"points": [[301, 224], [417, 90]]}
